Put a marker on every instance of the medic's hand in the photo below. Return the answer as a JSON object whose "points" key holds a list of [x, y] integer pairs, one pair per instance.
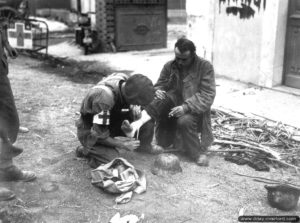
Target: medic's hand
{"points": [[160, 94], [132, 145], [128, 143]]}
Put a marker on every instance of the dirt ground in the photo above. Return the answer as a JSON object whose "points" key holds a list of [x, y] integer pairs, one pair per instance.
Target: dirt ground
{"points": [[48, 97]]}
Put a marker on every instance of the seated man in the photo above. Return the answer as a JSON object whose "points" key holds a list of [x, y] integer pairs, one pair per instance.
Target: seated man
{"points": [[103, 111], [185, 92], [9, 123]]}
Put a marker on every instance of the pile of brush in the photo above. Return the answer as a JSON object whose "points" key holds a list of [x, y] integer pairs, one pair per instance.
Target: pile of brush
{"points": [[255, 140]]}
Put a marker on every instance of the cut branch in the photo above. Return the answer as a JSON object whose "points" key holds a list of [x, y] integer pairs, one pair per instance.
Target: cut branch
{"points": [[232, 150], [260, 148]]}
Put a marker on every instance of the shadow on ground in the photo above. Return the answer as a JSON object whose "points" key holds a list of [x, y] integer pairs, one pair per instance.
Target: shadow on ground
{"points": [[84, 72]]}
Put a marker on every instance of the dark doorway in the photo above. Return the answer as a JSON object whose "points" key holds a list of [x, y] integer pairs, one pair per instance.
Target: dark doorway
{"points": [[292, 50]]}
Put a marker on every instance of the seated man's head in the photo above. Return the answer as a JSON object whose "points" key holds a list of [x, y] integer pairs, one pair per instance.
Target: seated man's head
{"points": [[185, 51], [138, 90]]}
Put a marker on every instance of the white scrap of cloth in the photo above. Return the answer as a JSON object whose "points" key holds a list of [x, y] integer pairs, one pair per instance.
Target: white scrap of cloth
{"points": [[126, 219], [119, 176]]}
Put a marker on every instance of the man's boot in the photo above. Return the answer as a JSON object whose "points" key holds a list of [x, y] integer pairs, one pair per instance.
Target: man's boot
{"points": [[6, 195], [202, 160], [7, 149], [13, 173]]}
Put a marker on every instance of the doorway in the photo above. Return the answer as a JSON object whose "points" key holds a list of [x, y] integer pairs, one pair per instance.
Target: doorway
{"points": [[292, 49]]}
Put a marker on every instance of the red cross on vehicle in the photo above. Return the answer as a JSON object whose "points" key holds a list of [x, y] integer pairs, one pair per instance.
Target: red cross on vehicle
{"points": [[19, 36]]}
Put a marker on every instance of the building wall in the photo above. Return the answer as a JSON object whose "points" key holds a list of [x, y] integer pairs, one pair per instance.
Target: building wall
{"points": [[54, 4], [200, 22], [236, 46], [176, 11], [243, 45], [176, 4]]}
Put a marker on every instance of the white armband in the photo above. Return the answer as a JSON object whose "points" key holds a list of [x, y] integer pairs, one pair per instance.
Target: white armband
{"points": [[102, 118]]}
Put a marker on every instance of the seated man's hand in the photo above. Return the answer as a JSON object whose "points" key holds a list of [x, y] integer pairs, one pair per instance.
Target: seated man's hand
{"points": [[177, 112], [160, 94]]}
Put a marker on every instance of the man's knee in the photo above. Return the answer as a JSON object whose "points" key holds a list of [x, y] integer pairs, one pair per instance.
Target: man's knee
{"points": [[146, 132], [148, 126], [159, 108], [187, 121], [165, 132]]}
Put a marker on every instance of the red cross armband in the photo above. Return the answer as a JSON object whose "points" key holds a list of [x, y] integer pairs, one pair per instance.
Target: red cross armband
{"points": [[102, 118]]}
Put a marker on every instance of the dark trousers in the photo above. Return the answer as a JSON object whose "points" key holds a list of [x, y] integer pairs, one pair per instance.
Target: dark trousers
{"points": [[182, 132], [9, 119], [96, 152]]}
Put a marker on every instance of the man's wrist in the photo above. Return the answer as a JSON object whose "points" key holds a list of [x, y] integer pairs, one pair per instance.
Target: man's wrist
{"points": [[158, 88], [186, 108]]}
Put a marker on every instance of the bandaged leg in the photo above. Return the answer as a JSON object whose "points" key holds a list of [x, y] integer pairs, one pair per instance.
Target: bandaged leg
{"points": [[131, 128]]}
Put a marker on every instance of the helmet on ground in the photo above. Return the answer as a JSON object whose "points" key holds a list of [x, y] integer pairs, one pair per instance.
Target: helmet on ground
{"points": [[166, 163], [283, 196]]}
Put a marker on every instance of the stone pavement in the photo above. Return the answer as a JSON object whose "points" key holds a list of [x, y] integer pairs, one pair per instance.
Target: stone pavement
{"points": [[281, 103]]}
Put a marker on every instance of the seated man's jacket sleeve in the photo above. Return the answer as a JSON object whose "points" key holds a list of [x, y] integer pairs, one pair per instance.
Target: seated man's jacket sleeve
{"points": [[201, 97]]}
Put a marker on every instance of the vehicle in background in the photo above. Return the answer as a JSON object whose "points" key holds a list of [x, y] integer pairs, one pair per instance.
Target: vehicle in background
{"points": [[23, 32]]}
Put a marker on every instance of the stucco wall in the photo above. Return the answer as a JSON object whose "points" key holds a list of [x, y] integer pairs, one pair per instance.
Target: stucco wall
{"points": [[249, 49], [200, 22], [236, 46]]}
